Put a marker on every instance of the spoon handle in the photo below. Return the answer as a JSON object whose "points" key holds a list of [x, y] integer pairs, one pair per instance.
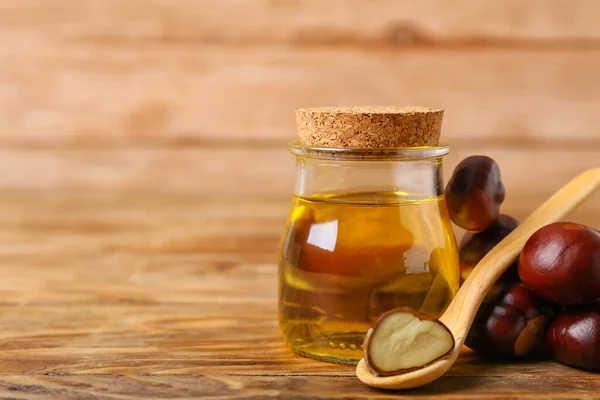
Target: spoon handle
{"points": [[459, 315]]}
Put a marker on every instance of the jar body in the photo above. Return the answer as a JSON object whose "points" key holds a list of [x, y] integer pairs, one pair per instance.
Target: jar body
{"points": [[362, 237]]}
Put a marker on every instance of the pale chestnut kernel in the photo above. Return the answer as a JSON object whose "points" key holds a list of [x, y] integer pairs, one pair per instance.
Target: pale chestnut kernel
{"points": [[402, 340]]}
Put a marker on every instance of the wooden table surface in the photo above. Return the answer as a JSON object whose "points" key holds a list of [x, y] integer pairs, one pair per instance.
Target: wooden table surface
{"points": [[144, 180], [134, 296]]}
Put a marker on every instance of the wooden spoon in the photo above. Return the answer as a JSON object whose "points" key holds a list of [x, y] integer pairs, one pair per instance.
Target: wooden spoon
{"points": [[460, 313]]}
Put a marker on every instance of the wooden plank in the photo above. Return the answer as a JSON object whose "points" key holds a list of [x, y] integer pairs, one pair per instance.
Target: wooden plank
{"points": [[82, 320], [267, 172], [303, 21], [188, 228], [110, 294], [168, 69], [217, 93], [258, 387]]}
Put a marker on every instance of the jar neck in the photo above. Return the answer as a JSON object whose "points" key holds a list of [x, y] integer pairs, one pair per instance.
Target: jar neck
{"points": [[415, 179]]}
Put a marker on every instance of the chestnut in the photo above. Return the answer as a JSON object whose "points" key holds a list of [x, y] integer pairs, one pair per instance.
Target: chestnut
{"points": [[561, 263], [474, 246], [403, 340], [511, 323], [574, 337], [474, 193]]}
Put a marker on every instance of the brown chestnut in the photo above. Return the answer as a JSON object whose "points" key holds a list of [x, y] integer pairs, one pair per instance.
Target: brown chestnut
{"points": [[474, 193], [474, 246], [574, 337], [561, 263], [509, 324]]}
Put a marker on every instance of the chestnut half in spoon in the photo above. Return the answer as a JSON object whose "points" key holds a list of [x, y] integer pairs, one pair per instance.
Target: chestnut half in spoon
{"points": [[405, 359]]}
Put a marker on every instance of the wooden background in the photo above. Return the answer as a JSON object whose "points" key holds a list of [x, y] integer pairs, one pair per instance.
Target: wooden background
{"points": [[144, 178], [197, 96]]}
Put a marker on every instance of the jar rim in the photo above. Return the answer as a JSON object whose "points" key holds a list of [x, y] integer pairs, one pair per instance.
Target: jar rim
{"points": [[383, 154]]}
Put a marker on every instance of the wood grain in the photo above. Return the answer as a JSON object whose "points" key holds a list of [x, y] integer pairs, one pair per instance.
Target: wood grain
{"points": [[297, 387], [109, 294], [306, 21], [240, 171], [145, 182], [219, 93], [219, 70]]}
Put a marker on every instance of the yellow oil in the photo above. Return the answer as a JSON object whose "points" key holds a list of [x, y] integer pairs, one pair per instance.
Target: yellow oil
{"points": [[348, 258]]}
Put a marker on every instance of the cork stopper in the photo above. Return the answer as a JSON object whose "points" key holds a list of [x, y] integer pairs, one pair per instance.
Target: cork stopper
{"points": [[369, 127]]}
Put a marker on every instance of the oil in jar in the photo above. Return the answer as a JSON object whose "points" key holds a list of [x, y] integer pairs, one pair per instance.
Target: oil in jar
{"points": [[347, 258]]}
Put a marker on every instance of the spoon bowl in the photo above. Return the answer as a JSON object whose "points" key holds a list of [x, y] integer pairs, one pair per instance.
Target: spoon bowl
{"points": [[462, 310]]}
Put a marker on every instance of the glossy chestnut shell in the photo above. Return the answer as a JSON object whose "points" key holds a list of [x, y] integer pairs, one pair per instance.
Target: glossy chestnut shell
{"points": [[509, 324], [474, 193], [474, 246], [574, 337], [561, 263]]}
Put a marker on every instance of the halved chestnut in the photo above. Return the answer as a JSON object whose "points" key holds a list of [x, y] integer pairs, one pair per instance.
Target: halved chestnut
{"points": [[403, 340]]}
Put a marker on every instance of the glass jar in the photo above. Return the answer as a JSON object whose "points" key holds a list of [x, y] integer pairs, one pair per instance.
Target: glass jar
{"points": [[368, 231]]}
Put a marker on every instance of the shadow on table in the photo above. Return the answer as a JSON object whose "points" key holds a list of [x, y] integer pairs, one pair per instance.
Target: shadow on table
{"points": [[474, 374]]}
